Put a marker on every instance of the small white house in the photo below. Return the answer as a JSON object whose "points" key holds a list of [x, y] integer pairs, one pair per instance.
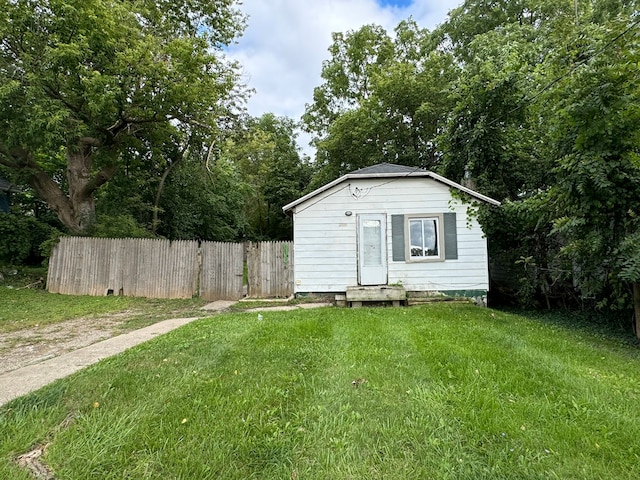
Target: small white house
{"points": [[389, 225]]}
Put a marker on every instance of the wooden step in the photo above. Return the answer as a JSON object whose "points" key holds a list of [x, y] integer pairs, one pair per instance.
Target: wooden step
{"points": [[357, 295]]}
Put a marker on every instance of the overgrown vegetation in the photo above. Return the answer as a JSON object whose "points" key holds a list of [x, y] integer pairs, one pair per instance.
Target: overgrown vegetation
{"points": [[439, 391], [21, 239]]}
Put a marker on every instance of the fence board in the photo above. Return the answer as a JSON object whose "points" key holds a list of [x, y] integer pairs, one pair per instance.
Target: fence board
{"points": [[221, 271], [270, 269], [163, 269]]}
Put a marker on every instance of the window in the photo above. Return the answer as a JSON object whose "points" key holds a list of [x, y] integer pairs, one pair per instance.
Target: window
{"points": [[371, 243], [423, 235]]}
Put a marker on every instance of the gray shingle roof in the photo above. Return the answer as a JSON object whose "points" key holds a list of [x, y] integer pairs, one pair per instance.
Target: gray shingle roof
{"points": [[386, 168]]}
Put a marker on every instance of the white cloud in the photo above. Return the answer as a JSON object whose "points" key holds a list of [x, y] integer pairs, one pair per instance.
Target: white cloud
{"points": [[285, 42]]}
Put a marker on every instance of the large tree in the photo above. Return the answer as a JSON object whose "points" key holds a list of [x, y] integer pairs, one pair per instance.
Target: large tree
{"points": [[597, 141], [490, 140], [383, 99], [88, 85], [546, 117]]}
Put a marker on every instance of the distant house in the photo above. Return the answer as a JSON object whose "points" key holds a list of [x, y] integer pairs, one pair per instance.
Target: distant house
{"points": [[390, 225], [5, 189]]}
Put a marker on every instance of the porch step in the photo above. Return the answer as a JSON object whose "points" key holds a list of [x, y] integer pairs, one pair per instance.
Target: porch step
{"points": [[356, 295]]}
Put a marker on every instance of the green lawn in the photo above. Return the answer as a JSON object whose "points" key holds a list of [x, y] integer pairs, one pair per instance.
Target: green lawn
{"points": [[25, 308], [451, 391]]}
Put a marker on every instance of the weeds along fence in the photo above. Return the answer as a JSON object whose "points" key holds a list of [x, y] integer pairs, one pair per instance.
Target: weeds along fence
{"points": [[164, 269]]}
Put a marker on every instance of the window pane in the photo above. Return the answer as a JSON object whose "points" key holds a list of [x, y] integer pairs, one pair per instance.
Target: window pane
{"points": [[423, 234], [430, 237], [372, 243], [415, 234]]}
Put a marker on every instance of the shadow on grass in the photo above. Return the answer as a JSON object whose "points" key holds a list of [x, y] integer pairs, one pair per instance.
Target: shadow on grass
{"points": [[614, 327]]}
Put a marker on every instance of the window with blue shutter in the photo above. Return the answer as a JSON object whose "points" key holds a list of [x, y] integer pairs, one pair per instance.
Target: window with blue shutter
{"points": [[419, 237]]}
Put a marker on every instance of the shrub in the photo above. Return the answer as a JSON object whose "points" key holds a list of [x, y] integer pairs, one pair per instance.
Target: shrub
{"points": [[118, 226], [20, 239]]}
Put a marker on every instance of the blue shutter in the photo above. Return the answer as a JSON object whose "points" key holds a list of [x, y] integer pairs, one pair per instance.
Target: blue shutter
{"points": [[397, 238], [4, 203], [450, 236]]}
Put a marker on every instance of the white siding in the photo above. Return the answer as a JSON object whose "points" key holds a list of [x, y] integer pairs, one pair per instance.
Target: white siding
{"points": [[325, 238]]}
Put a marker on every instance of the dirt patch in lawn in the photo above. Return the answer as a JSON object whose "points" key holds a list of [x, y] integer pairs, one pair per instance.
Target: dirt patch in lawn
{"points": [[36, 344], [32, 345]]}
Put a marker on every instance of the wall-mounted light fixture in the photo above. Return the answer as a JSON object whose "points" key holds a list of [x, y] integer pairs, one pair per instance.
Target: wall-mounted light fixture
{"points": [[348, 213]]}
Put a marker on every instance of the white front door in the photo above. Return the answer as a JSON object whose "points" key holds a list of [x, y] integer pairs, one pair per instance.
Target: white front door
{"points": [[372, 251]]}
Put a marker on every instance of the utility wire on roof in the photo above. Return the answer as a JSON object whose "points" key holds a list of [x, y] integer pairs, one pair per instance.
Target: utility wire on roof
{"points": [[356, 197]]}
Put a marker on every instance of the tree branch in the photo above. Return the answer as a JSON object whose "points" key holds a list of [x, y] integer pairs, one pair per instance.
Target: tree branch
{"points": [[74, 108], [155, 222], [6, 159], [90, 141], [49, 191], [102, 177], [16, 158]]}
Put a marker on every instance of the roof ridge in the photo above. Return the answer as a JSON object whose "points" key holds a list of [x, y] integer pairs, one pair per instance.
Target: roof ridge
{"points": [[386, 167]]}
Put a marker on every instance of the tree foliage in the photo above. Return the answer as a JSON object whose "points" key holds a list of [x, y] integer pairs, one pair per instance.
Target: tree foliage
{"points": [[598, 170], [268, 159], [382, 100], [20, 239], [546, 116], [203, 202], [87, 85], [488, 139]]}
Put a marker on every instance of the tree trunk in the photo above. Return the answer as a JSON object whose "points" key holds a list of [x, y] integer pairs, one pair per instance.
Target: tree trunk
{"points": [[81, 198], [636, 307], [77, 210]]}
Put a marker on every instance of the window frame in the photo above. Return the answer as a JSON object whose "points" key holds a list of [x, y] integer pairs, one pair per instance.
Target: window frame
{"points": [[439, 236]]}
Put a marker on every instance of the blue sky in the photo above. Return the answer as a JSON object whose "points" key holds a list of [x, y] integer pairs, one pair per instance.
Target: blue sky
{"points": [[286, 41], [395, 3]]}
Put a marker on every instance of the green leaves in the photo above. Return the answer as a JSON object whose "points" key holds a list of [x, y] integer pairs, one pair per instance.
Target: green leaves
{"points": [[628, 256], [382, 100], [598, 175], [546, 115], [266, 156], [101, 77], [20, 238]]}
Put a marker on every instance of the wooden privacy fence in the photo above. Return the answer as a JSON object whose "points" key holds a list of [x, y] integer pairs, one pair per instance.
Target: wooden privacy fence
{"points": [[221, 271], [164, 269], [132, 267], [270, 269]]}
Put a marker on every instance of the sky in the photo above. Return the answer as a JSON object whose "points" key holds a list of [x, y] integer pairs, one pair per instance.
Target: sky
{"points": [[286, 41]]}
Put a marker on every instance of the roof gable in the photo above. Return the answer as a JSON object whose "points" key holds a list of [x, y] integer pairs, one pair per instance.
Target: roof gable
{"points": [[387, 170]]}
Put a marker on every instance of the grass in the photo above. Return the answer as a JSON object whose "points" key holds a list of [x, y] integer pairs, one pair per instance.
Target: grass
{"points": [[451, 391], [27, 308]]}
